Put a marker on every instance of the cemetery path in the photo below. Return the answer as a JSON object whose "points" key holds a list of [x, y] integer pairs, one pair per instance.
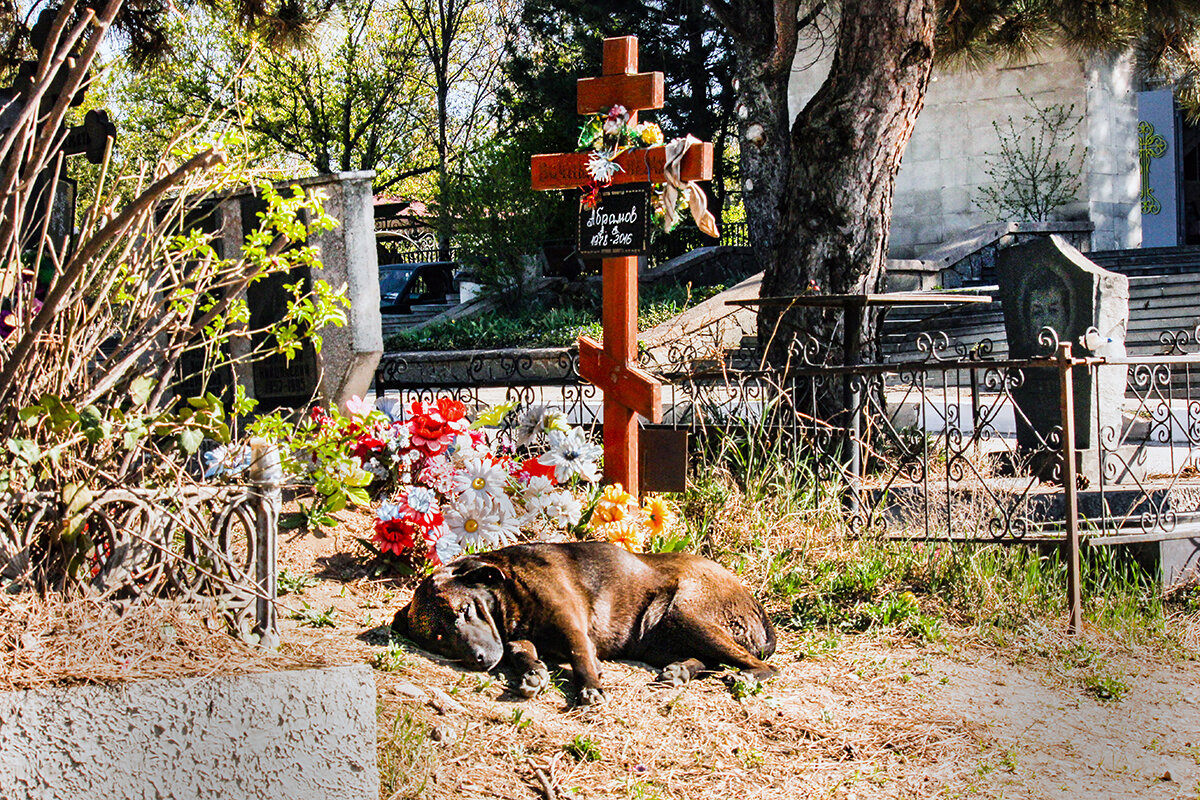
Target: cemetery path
{"points": [[860, 716]]}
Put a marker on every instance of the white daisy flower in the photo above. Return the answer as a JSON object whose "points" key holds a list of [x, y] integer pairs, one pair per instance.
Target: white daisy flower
{"points": [[564, 509], [479, 477], [510, 529], [538, 486], [572, 454], [474, 522]]}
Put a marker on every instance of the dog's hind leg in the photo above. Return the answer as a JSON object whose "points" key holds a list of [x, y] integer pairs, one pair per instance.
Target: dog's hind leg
{"points": [[708, 643], [531, 675]]}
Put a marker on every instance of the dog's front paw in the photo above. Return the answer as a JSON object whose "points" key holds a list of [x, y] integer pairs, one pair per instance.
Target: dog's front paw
{"points": [[591, 697], [675, 675], [533, 682]]}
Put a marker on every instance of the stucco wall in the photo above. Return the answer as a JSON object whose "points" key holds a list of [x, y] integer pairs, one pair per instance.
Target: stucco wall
{"points": [[285, 735], [944, 165]]}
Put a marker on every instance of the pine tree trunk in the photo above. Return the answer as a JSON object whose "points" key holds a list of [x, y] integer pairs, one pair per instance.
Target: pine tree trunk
{"points": [[762, 111], [845, 147]]}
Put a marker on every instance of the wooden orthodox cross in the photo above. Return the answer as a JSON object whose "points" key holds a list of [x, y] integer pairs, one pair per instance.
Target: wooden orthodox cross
{"points": [[628, 389]]}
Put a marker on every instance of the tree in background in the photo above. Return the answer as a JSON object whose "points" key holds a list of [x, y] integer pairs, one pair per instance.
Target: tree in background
{"points": [[351, 98], [559, 41], [819, 188], [462, 42]]}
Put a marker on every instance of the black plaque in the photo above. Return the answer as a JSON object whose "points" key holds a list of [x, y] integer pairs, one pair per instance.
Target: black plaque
{"points": [[619, 224]]}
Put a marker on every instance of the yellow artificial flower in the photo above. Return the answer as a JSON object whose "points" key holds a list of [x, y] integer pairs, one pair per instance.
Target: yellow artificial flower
{"points": [[614, 505], [615, 493], [651, 134], [658, 515], [627, 534]]}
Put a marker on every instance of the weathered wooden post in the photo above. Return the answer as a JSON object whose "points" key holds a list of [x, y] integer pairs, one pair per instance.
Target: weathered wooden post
{"points": [[628, 389]]}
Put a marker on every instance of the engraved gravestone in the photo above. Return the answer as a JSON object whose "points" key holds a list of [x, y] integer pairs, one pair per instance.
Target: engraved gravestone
{"points": [[1047, 283]]}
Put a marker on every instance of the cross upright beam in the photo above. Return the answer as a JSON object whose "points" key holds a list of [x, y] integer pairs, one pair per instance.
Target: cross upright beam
{"points": [[612, 365]]}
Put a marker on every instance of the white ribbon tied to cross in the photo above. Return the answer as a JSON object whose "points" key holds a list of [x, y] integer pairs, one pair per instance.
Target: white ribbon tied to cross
{"points": [[697, 201]]}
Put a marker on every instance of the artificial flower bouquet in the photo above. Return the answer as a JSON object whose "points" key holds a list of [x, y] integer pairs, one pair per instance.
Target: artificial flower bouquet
{"points": [[442, 484]]}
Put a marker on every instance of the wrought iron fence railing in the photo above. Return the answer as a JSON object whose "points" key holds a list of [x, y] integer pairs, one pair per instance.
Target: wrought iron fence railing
{"points": [[209, 544]]}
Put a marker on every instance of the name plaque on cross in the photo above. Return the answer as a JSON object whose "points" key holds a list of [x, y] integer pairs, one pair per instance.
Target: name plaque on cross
{"points": [[618, 225], [612, 365]]}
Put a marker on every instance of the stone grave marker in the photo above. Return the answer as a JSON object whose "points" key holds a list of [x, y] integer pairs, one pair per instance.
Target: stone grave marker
{"points": [[346, 364], [1048, 283]]}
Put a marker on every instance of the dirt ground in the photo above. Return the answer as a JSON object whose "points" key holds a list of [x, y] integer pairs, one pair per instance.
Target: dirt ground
{"points": [[858, 716]]}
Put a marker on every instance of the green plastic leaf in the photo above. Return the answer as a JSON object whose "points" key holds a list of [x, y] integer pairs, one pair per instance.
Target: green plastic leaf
{"points": [[494, 416]]}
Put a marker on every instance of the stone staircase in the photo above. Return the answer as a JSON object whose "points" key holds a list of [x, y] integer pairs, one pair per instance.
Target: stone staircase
{"points": [[395, 323], [1164, 297]]}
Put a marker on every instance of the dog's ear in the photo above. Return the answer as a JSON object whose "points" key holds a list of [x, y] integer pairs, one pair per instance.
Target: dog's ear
{"points": [[400, 622]]}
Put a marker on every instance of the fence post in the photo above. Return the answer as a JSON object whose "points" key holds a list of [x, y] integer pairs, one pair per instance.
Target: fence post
{"points": [[266, 475], [1070, 497]]}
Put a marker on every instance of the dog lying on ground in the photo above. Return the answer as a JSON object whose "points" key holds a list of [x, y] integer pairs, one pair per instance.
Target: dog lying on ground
{"points": [[581, 602]]}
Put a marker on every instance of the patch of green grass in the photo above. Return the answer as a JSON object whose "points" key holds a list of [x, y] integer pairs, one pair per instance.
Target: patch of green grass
{"points": [[393, 659], [581, 748], [307, 615], [742, 686], [407, 758], [293, 583], [1105, 686], [519, 719]]}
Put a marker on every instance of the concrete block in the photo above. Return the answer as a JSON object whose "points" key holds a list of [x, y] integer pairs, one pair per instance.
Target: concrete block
{"points": [[276, 736]]}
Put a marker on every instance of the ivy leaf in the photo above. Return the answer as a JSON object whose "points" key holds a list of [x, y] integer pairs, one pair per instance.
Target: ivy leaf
{"points": [[140, 389], [93, 424], [190, 439]]}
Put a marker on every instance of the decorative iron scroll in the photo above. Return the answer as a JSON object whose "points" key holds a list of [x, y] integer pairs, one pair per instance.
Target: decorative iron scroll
{"points": [[201, 544]]}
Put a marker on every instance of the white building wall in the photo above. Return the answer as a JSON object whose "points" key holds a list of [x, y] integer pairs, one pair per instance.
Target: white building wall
{"points": [[944, 165]]}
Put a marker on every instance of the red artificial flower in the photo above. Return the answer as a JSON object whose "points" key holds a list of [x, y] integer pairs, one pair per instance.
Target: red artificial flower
{"points": [[433, 427], [533, 468], [397, 535], [367, 447], [591, 194]]}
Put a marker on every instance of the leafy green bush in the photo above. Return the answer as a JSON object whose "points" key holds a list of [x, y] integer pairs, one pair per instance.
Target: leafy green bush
{"points": [[539, 324]]}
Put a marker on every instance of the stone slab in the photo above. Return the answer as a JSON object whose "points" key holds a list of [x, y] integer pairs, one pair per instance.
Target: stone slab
{"points": [[275, 736]]}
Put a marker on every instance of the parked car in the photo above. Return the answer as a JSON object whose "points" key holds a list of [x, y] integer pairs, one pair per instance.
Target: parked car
{"points": [[402, 286]]}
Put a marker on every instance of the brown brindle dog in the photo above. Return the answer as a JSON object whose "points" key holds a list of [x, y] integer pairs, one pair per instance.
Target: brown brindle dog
{"points": [[580, 602]]}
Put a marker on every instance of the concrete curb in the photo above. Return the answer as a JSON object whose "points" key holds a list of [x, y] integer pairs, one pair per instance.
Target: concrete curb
{"points": [[283, 735]]}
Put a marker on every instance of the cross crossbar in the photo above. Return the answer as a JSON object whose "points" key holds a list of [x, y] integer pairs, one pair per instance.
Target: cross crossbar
{"points": [[643, 165]]}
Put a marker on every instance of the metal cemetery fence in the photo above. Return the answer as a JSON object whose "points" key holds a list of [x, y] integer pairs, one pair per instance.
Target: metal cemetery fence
{"points": [[947, 444], [196, 543]]}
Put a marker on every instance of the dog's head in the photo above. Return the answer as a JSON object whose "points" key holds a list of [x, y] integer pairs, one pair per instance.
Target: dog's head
{"points": [[454, 612]]}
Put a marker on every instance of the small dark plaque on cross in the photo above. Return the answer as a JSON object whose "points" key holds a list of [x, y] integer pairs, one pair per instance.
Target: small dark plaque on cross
{"points": [[618, 225]]}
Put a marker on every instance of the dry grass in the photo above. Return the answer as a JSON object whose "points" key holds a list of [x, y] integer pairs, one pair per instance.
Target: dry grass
{"points": [[52, 641], [821, 728]]}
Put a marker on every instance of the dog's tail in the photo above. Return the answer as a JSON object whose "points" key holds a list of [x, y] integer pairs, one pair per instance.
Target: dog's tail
{"points": [[764, 638]]}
